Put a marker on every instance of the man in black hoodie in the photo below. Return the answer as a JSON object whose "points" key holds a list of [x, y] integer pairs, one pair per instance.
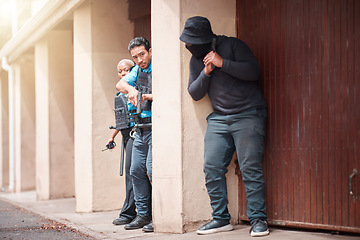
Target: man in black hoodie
{"points": [[226, 69]]}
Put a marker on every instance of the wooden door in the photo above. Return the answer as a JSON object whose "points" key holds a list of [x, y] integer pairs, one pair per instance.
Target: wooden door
{"points": [[309, 53]]}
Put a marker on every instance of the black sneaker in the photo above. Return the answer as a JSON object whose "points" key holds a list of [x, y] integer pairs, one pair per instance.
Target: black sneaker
{"points": [[259, 228], [215, 226]]}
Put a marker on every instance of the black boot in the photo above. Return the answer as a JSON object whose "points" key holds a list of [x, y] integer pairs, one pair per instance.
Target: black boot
{"points": [[138, 222], [122, 220], [148, 228]]}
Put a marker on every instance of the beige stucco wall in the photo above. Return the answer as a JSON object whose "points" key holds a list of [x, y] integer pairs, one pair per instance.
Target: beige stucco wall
{"points": [[180, 198], [61, 114], [4, 131], [101, 36]]}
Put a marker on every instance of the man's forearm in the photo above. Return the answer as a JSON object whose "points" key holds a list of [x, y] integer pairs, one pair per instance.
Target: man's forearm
{"points": [[123, 87], [199, 87]]}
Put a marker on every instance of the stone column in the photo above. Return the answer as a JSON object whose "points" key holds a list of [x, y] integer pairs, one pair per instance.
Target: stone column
{"points": [[54, 115], [4, 131], [101, 36], [180, 199], [24, 94]]}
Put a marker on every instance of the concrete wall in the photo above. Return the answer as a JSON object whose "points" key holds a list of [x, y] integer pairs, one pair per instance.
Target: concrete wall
{"points": [[101, 36], [180, 198]]}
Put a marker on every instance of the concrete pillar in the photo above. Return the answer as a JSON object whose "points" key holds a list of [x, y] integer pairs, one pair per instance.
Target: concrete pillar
{"points": [[24, 94], [54, 115], [168, 154], [180, 200], [101, 36], [4, 131]]}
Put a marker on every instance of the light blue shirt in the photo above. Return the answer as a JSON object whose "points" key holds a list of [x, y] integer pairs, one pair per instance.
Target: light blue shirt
{"points": [[131, 78]]}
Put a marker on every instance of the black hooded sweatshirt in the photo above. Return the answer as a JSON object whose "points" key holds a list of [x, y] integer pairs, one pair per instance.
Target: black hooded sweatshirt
{"points": [[235, 87]]}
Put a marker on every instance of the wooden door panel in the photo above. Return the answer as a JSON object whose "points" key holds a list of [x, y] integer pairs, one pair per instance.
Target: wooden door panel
{"points": [[309, 53]]}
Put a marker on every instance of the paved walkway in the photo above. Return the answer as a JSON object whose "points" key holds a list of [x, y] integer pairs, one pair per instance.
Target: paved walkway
{"points": [[99, 224], [17, 223]]}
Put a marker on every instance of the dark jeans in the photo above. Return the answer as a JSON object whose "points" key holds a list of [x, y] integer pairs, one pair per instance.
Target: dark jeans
{"points": [[129, 209], [141, 172], [245, 133]]}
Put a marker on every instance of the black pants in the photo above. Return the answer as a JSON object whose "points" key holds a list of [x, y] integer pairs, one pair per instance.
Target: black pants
{"points": [[128, 210]]}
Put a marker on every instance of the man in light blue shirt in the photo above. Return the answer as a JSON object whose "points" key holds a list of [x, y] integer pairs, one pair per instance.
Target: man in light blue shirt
{"points": [[131, 80], [139, 80]]}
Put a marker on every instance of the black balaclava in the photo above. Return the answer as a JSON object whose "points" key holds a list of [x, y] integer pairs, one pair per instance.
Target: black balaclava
{"points": [[199, 50]]}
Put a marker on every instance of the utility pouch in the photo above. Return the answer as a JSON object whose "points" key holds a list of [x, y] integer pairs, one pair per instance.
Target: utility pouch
{"points": [[122, 116]]}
